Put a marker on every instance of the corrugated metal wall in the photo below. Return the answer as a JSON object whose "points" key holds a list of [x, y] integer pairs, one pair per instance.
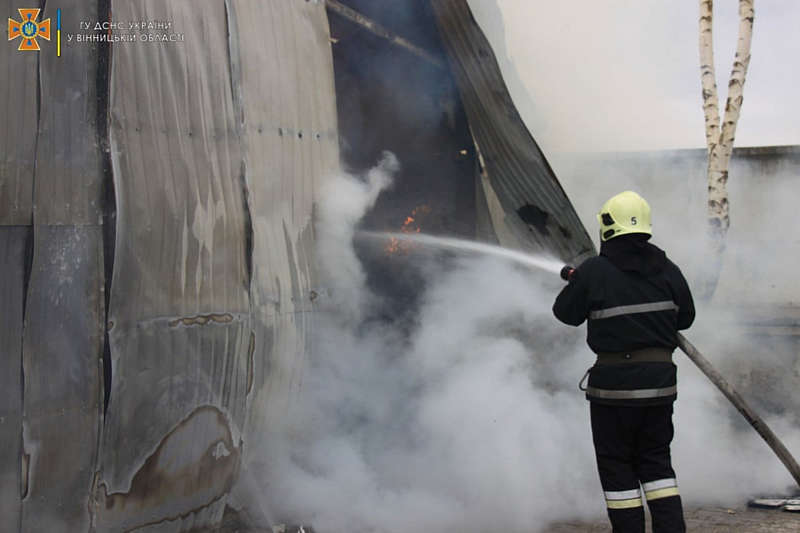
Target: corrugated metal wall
{"points": [[528, 206], [17, 153], [214, 148], [291, 144], [179, 315], [18, 96], [51, 183], [12, 265], [217, 146]]}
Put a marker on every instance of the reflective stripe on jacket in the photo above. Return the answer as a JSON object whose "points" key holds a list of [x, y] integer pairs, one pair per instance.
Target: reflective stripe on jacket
{"points": [[629, 310]]}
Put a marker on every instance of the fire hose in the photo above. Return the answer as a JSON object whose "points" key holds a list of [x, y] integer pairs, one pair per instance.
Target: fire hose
{"points": [[730, 393]]}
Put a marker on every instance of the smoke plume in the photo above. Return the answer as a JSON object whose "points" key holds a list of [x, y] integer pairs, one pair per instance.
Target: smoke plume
{"points": [[471, 420]]}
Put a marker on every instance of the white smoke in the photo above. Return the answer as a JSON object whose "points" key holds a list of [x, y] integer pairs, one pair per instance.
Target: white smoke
{"points": [[472, 421], [345, 201]]}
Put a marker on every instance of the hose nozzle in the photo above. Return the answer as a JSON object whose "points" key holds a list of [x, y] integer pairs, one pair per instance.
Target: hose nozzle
{"points": [[567, 273]]}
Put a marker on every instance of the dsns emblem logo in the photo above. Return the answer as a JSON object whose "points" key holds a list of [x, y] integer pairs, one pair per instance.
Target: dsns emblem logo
{"points": [[28, 29]]}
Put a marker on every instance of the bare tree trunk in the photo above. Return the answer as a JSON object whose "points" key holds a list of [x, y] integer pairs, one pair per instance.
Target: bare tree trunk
{"points": [[708, 78], [720, 143]]}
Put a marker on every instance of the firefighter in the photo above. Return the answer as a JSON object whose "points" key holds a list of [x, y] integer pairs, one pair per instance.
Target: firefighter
{"points": [[635, 300]]}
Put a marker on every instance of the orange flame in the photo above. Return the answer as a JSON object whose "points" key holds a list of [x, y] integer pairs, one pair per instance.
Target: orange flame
{"points": [[412, 224]]}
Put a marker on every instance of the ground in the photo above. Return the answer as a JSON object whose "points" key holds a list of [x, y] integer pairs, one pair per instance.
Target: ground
{"points": [[703, 520], [712, 520]]}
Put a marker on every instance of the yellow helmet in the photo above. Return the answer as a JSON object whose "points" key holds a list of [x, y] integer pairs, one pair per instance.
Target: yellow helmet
{"points": [[623, 214]]}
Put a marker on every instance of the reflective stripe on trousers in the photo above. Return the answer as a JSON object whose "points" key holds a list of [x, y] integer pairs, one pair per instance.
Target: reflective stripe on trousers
{"points": [[653, 490], [623, 499], [660, 488], [635, 394], [666, 305]]}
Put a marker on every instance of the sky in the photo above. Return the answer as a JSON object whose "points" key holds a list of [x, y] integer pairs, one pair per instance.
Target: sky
{"points": [[623, 75]]}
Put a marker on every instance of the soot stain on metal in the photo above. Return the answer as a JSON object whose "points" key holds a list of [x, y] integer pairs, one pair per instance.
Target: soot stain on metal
{"points": [[251, 363], [25, 461], [292, 264], [215, 472], [202, 320]]}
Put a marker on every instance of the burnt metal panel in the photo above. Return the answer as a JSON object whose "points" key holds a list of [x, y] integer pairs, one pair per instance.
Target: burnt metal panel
{"points": [[18, 107], [62, 350], [172, 443], [68, 180], [176, 165], [179, 313], [281, 344], [290, 138], [286, 95], [536, 209], [63, 337], [12, 267]]}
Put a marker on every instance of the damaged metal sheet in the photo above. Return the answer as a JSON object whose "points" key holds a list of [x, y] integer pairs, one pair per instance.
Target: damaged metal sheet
{"points": [[535, 208], [298, 118], [290, 139], [68, 152], [12, 267], [18, 101], [287, 100], [176, 165], [282, 343], [63, 336], [188, 474], [180, 314], [180, 389], [62, 350]]}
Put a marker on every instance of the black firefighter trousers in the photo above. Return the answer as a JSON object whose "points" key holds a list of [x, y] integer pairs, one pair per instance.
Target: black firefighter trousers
{"points": [[632, 448]]}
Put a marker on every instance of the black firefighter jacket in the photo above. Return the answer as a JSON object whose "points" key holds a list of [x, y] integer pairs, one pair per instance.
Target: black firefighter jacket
{"points": [[634, 298]]}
